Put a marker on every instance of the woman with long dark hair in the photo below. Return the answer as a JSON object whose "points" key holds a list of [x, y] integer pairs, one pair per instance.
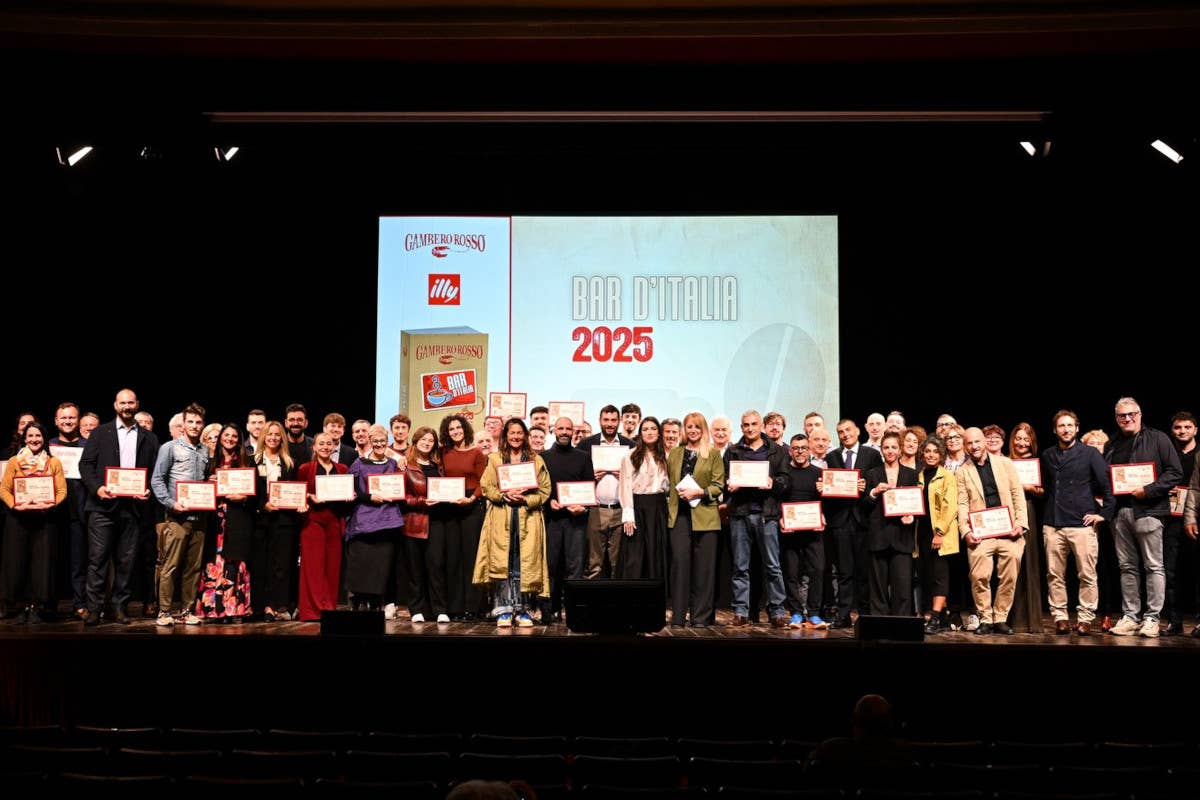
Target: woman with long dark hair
{"points": [[225, 582], [426, 592], [31, 529], [890, 540], [644, 488], [937, 532], [460, 522]]}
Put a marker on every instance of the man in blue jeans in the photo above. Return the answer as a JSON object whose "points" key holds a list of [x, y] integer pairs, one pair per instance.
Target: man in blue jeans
{"points": [[754, 512]]}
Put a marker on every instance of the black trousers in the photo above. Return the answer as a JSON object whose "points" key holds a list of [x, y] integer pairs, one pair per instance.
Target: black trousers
{"points": [[272, 556], [471, 525], [642, 554], [891, 583], [853, 568], [566, 554], [693, 570], [30, 549], [443, 557], [1179, 563], [802, 554], [416, 552], [113, 535], [453, 543]]}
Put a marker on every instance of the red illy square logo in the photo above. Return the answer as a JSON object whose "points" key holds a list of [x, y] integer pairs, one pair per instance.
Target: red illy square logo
{"points": [[445, 290]]}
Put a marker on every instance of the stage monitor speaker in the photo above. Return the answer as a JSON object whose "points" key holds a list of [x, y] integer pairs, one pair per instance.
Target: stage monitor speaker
{"points": [[620, 607], [352, 623], [896, 629]]}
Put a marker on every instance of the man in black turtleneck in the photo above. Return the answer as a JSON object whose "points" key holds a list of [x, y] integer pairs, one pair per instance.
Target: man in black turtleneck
{"points": [[566, 526]]}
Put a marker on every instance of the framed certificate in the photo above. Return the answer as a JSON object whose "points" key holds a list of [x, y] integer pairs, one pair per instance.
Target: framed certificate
{"points": [[992, 522], [905, 500], [287, 495], [577, 493], [1178, 501], [390, 486], [608, 459], [69, 456], [240, 480], [1029, 470], [446, 490], [1128, 478], [840, 482], [515, 477], [563, 408], [125, 482], [801, 516], [333, 488], [507, 404], [750, 474], [196, 495], [35, 489]]}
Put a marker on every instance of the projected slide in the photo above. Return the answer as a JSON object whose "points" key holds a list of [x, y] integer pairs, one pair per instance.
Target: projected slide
{"points": [[676, 314]]}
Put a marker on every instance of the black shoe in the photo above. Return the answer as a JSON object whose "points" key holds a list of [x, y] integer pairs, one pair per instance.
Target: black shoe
{"points": [[1174, 629], [1002, 628], [32, 616], [934, 625], [91, 620], [842, 622], [984, 629], [121, 618]]}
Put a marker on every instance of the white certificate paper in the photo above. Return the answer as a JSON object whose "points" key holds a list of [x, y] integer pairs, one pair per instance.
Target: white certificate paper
{"points": [[69, 456], [750, 474], [446, 490], [1128, 478], [569, 409], [905, 500], [1178, 500], [688, 482], [236, 481], [332, 488], [801, 516], [992, 522], [287, 495], [35, 489], [507, 404], [839, 482], [196, 495], [390, 486], [1029, 470], [576, 493], [607, 458], [125, 482], [515, 477]]}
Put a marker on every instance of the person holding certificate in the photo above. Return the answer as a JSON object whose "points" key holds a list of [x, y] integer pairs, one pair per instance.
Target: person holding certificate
{"points": [[605, 529], [937, 532], [181, 543], [116, 448], [1026, 614], [847, 519], [272, 552], [512, 548], [67, 443], [696, 474], [374, 526], [321, 534], [426, 589], [891, 539], [644, 490], [464, 520], [1150, 471], [32, 488], [225, 592], [802, 550], [566, 525], [988, 483]]}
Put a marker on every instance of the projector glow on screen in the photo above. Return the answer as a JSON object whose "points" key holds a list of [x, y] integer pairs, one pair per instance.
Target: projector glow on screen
{"points": [[676, 314]]}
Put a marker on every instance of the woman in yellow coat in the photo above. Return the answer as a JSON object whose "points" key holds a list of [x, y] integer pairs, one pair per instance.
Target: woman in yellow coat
{"points": [[512, 546], [937, 531]]}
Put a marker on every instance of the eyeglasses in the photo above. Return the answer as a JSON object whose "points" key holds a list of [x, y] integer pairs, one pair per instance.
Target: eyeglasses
{"points": [[1128, 414], [954, 436], [379, 441]]}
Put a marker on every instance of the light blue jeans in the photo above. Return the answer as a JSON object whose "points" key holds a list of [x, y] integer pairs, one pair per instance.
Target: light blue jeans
{"points": [[1144, 536]]}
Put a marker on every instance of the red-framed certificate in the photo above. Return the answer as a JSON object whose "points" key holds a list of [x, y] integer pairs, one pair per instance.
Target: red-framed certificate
{"points": [[239, 480], [903, 501], [517, 477], [1178, 500], [125, 482], [991, 523], [287, 495], [446, 490], [1029, 470], [507, 404], [576, 493], [335, 488], [608, 458], [801, 516], [69, 458], [196, 495], [570, 409], [840, 482], [1128, 478], [750, 474], [34, 489], [390, 486]]}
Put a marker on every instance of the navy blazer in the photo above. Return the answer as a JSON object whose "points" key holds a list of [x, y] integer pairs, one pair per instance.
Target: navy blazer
{"points": [[103, 450]]}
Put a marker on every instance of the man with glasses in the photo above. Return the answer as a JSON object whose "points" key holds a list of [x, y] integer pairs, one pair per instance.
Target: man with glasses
{"points": [[803, 552], [1138, 523]]}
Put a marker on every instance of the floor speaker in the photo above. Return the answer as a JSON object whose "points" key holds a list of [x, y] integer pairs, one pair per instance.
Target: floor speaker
{"points": [[617, 607], [352, 623], [896, 629]]}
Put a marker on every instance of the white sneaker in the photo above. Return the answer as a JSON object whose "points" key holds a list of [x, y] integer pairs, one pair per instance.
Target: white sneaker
{"points": [[1149, 628], [443, 619], [418, 618], [165, 620], [190, 619], [1126, 626], [972, 622], [389, 611]]}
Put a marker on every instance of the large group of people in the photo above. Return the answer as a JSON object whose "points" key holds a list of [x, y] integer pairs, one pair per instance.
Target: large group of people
{"points": [[675, 500]]}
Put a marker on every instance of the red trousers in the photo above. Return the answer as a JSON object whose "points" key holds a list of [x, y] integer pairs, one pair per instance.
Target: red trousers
{"points": [[320, 563]]}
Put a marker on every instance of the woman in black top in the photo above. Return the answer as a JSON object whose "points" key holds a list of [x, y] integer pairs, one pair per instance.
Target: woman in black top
{"points": [[890, 540]]}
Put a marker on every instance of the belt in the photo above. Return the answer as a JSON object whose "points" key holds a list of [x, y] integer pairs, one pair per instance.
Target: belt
{"points": [[608, 505]]}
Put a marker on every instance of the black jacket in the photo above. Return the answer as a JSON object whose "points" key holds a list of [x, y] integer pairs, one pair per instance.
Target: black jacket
{"points": [[103, 450], [1153, 446], [846, 512], [739, 501]]}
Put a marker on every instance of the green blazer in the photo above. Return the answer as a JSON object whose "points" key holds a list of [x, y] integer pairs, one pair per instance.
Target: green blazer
{"points": [[710, 474]]}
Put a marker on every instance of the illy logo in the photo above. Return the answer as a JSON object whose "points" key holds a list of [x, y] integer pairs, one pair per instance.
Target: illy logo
{"points": [[445, 290]]}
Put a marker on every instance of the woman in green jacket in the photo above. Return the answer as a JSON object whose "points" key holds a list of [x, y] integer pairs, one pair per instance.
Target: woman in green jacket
{"points": [[694, 528]]}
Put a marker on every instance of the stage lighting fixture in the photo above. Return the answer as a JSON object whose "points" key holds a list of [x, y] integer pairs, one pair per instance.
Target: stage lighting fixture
{"points": [[225, 155], [75, 156], [1166, 150], [1029, 148]]}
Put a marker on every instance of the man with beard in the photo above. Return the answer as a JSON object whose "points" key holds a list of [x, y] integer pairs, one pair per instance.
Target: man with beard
{"points": [[566, 526], [295, 420]]}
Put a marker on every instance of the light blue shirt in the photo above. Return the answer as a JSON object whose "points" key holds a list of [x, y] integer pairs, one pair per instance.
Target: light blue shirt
{"points": [[127, 441], [178, 460]]}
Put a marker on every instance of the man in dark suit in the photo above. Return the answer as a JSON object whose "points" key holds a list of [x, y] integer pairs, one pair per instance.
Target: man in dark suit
{"points": [[848, 521], [113, 522]]}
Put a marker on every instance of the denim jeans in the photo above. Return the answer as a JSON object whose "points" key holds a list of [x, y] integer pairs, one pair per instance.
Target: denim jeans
{"points": [[766, 534], [507, 592], [1145, 536]]}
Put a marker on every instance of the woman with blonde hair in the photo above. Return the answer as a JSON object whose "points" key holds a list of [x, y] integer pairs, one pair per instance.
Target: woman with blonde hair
{"points": [[695, 528], [426, 592], [273, 550], [209, 437], [1028, 602]]}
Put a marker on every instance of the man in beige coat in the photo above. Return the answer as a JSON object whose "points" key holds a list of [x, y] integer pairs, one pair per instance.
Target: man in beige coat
{"points": [[990, 481]]}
